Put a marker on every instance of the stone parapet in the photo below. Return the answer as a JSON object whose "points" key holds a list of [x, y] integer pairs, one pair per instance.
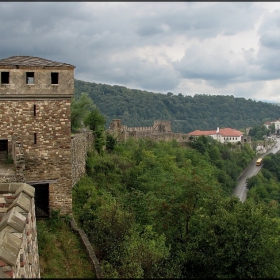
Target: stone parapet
{"points": [[19, 256], [88, 247]]}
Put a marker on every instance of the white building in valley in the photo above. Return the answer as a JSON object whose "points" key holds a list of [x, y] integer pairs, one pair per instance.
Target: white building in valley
{"points": [[276, 123], [223, 135]]}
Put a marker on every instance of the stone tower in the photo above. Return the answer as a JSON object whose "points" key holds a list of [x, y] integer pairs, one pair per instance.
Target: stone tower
{"points": [[35, 98]]}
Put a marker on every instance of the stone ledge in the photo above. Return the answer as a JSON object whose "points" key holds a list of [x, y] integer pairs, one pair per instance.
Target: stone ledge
{"points": [[88, 247]]}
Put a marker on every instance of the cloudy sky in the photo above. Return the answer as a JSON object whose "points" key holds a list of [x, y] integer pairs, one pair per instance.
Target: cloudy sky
{"points": [[219, 48]]}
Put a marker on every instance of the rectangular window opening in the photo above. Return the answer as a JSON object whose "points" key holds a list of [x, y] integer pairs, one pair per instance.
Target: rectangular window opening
{"points": [[35, 138], [5, 77], [54, 78], [30, 78], [34, 110]]}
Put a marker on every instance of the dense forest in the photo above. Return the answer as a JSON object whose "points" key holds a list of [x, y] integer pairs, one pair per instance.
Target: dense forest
{"points": [[165, 209], [186, 113]]}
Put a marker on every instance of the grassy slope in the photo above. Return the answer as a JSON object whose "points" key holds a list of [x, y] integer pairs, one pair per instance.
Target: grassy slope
{"points": [[61, 252]]}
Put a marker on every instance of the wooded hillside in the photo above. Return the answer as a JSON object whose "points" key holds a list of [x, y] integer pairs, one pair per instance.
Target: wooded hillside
{"points": [[186, 113], [163, 210]]}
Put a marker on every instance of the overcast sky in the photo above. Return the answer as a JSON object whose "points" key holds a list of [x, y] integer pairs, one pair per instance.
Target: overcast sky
{"points": [[219, 48]]}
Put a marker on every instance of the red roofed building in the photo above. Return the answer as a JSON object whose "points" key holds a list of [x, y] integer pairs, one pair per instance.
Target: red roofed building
{"points": [[222, 135]]}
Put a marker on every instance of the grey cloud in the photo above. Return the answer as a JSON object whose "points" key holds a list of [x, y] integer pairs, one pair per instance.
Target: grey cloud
{"points": [[269, 61], [137, 74], [271, 39], [269, 30], [147, 29], [87, 37], [27, 18], [217, 18], [214, 68], [250, 56], [267, 57]]}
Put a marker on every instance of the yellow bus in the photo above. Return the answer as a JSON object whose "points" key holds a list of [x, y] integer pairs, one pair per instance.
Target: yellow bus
{"points": [[259, 162]]}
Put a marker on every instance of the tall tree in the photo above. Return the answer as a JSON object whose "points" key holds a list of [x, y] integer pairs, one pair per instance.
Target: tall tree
{"points": [[80, 108], [234, 240], [95, 121]]}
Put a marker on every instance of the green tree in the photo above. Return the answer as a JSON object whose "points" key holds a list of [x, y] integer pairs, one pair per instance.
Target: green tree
{"points": [[99, 140], [258, 132], [147, 249], [107, 224], [80, 108], [234, 240], [160, 201], [96, 121], [111, 142], [272, 128]]}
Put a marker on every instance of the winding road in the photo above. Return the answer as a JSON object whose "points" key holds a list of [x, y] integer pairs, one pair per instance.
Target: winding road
{"points": [[241, 190]]}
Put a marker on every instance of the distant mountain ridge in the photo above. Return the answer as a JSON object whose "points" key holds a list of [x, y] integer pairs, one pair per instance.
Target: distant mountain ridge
{"points": [[204, 112]]}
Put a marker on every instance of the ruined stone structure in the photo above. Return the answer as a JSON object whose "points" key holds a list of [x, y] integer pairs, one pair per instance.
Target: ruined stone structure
{"points": [[161, 130], [35, 128], [18, 233]]}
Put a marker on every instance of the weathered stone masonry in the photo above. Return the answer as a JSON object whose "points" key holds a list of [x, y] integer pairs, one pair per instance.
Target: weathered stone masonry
{"points": [[35, 133], [37, 113], [19, 256], [160, 131], [81, 144]]}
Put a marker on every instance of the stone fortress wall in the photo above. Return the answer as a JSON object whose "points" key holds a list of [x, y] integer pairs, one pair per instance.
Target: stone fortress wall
{"points": [[45, 139], [18, 235], [81, 144], [35, 131], [160, 131], [19, 256]]}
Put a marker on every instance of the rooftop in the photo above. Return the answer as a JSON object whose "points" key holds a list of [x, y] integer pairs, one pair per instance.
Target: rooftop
{"points": [[32, 61], [225, 132]]}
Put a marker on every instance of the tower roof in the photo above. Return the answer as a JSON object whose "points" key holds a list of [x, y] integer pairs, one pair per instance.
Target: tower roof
{"points": [[32, 61]]}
